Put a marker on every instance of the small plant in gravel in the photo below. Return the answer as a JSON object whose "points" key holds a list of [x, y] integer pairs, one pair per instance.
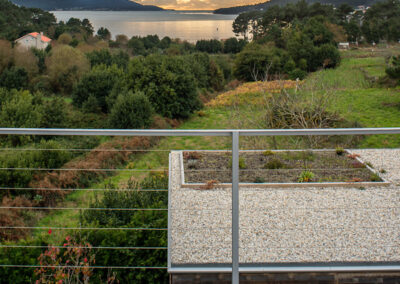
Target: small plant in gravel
{"points": [[268, 153], [382, 171], [306, 176], [339, 151], [375, 177], [242, 163], [210, 185], [362, 188], [192, 155], [369, 165], [274, 164], [259, 180]]}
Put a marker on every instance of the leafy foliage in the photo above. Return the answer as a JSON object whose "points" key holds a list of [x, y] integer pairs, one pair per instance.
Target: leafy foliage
{"points": [[394, 70], [168, 83], [65, 66], [131, 111], [138, 197], [95, 86], [17, 21]]}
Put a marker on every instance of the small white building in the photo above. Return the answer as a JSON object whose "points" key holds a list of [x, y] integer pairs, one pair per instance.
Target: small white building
{"points": [[344, 45], [36, 40]]}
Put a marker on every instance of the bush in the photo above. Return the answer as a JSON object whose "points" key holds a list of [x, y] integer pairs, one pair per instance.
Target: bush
{"points": [[14, 78], [30, 159], [257, 62], [339, 151], [274, 164], [393, 71], [242, 163], [131, 111], [54, 113], [167, 82], [95, 87], [133, 219], [306, 176], [209, 46], [297, 74], [65, 66], [65, 38], [328, 56], [233, 45]]}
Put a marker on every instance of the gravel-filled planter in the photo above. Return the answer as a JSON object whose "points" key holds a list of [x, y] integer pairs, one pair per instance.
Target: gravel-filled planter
{"points": [[313, 225], [284, 168]]}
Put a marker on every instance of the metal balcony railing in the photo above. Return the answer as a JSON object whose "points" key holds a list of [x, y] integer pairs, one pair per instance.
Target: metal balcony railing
{"points": [[235, 134]]}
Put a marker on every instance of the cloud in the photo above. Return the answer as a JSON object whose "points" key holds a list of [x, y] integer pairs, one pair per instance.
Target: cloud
{"points": [[196, 4]]}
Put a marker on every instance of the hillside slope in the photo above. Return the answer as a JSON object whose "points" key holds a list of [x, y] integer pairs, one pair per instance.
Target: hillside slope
{"points": [[115, 5], [265, 5]]}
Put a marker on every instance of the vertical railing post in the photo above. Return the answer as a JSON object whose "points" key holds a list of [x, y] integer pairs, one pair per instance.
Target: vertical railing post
{"points": [[235, 207]]}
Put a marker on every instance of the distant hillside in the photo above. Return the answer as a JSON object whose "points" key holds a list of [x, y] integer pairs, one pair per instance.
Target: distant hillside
{"points": [[114, 5], [265, 5]]}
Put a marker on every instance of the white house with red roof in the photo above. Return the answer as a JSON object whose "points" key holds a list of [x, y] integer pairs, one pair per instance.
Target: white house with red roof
{"points": [[36, 40]]}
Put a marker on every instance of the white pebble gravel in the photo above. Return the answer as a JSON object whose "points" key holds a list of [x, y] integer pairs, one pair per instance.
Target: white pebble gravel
{"points": [[289, 225]]}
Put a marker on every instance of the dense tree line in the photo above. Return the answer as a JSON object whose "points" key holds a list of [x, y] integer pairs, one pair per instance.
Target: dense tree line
{"points": [[380, 21], [288, 41]]}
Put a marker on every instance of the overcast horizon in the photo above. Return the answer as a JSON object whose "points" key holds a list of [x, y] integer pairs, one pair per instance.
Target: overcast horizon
{"points": [[197, 4]]}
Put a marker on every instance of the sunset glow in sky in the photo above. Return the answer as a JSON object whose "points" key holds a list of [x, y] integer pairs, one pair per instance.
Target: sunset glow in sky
{"points": [[197, 4]]}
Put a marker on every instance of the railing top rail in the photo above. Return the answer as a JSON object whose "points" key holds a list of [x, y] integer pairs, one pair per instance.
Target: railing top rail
{"points": [[199, 132]]}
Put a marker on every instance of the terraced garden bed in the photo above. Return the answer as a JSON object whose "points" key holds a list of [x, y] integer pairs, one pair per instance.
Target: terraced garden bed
{"points": [[317, 167]]}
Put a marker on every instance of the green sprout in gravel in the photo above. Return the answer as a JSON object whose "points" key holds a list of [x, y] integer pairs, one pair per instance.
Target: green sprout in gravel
{"points": [[242, 163], [339, 151], [268, 153], [375, 177], [274, 164], [306, 176]]}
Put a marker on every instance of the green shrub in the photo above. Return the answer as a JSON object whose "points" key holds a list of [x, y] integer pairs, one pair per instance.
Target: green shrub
{"points": [[259, 180], [168, 83], [131, 111], [94, 88], [268, 153], [274, 164], [14, 78], [394, 69], [328, 56], [297, 74], [339, 151], [306, 176], [30, 159], [122, 238], [242, 163], [375, 177], [256, 61]]}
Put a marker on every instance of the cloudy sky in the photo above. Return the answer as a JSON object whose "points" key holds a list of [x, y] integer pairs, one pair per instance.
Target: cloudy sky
{"points": [[197, 4]]}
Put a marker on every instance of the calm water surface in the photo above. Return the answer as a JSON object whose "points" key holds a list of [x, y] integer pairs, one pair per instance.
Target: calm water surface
{"points": [[190, 26]]}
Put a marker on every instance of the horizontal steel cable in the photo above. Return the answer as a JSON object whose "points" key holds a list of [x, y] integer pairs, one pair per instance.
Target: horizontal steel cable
{"points": [[92, 267], [83, 189], [81, 228], [82, 208], [83, 150], [80, 247], [202, 209], [83, 170]]}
